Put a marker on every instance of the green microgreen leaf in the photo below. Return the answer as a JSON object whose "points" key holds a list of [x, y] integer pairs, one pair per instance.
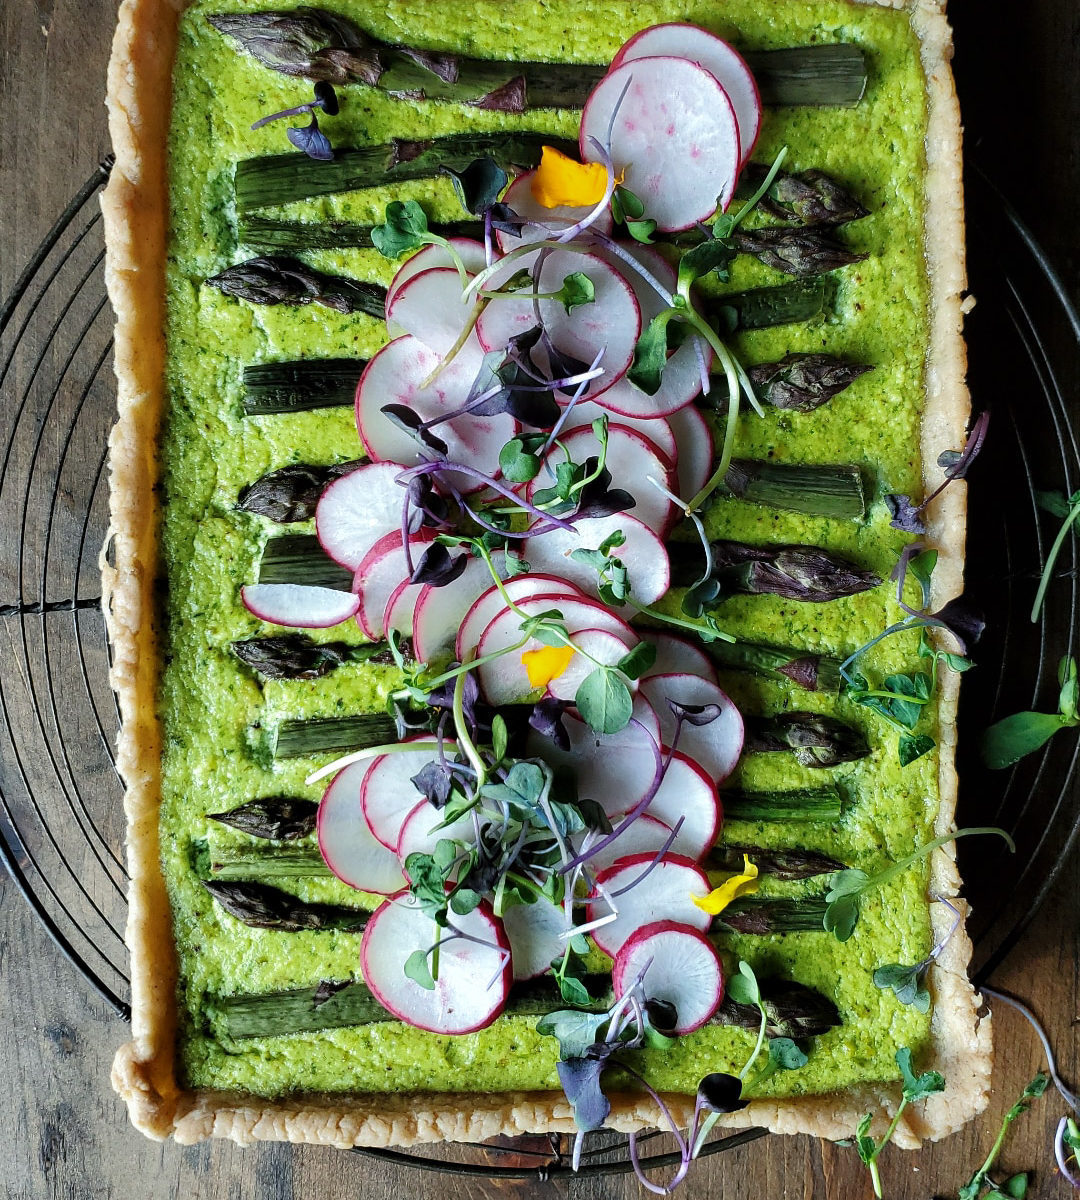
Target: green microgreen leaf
{"points": [[1070, 514], [636, 662], [908, 983], [499, 737], [479, 185], [517, 464], [913, 746], [604, 701], [404, 229], [917, 1087], [743, 988], [577, 289], [650, 355], [418, 970], [713, 255], [1016, 1185], [1010, 739]]}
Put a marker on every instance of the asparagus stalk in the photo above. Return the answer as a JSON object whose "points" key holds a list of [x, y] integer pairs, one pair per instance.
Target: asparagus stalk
{"points": [[314, 44], [290, 493], [308, 383], [279, 817], [298, 558], [815, 740], [264, 907], [792, 1010], [296, 656], [792, 303], [797, 383], [323, 735], [799, 252], [765, 915], [800, 804], [780, 864], [266, 233], [805, 573], [280, 280], [283, 178], [812, 672], [818, 491]]}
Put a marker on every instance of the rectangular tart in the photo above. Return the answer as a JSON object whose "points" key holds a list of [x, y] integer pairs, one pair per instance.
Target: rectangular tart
{"points": [[181, 100]]}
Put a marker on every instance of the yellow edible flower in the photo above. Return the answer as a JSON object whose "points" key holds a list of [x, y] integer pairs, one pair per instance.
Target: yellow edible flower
{"points": [[560, 180], [546, 664], [738, 885]]}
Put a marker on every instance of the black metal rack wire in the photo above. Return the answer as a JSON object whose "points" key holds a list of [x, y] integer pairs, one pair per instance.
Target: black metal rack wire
{"points": [[61, 808]]}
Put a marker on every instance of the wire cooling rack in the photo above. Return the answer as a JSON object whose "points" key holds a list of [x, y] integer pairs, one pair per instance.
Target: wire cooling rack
{"points": [[61, 809]]}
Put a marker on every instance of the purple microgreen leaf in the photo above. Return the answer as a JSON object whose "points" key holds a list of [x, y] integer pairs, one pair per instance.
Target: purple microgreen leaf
{"points": [[547, 719], [720, 1093], [505, 220], [434, 781], [904, 514], [580, 1079], [437, 568], [311, 140], [962, 619], [694, 714], [479, 185], [409, 420]]}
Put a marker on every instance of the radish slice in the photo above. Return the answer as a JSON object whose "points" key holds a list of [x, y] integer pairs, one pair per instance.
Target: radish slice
{"points": [[474, 975], [440, 610], [519, 196], [358, 509], [388, 795], [490, 603], [395, 376], [675, 137], [603, 647], [656, 429], [400, 609], [689, 793], [726, 65], [715, 747], [696, 456], [297, 605], [611, 322], [420, 835], [680, 383], [534, 932], [431, 308], [504, 680], [675, 655], [665, 894], [643, 836], [631, 458], [347, 845], [681, 966], [472, 254], [378, 576], [642, 553]]}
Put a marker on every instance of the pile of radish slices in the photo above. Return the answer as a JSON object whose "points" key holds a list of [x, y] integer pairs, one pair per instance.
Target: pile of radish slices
{"points": [[673, 121]]}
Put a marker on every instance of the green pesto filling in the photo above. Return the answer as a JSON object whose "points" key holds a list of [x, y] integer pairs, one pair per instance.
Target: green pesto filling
{"points": [[210, 702]]}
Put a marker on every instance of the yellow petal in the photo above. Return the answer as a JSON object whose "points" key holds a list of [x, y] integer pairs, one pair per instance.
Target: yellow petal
{"points": [[738, 885], [546, 664], [560, 180]]}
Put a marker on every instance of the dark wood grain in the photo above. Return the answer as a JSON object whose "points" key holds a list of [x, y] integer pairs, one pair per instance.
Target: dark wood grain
{"points": [[64, 1134]]}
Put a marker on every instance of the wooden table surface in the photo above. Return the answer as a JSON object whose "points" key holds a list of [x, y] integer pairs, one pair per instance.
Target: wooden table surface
{"points": [[62, 1131]]}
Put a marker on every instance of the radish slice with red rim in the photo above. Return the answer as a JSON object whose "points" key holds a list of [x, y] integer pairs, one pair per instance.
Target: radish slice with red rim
{"points": [[643, 836], [472, 253], [715, 747], [490, 603], [696, 455], [441, 610], [519, 196], [666, 893], [388, 795], [675, 655], [687, 792], [603, 648], [400, 610], [430, 306], [384, 567], [535, 935], [356, 510], [474, 972], [420, 833], [346, 842], [297, 605], [726, 65], [681, 967], [610, 322], [674, 138], [642, 554], [656, 429], [396, 376]]}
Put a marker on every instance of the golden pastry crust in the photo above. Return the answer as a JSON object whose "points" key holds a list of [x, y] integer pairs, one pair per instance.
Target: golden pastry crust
{"points": [[135, 207]]}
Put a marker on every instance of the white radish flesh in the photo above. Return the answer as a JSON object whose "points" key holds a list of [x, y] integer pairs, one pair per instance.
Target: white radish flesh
{"points": [[401, 608], [687, 792], [656, 429], [677, 655], [430, 307], [726, 65], [715, 747], [378, 576], [388, 795], [674, 136], [474, 975], [680, 966], [519, 196], [696, 457], [490, 603], [420, 833], [434, 255], [358, 509], [297, 605], [441, 610], [643, 836], [346, 842], [666, 894], [534, 931]]}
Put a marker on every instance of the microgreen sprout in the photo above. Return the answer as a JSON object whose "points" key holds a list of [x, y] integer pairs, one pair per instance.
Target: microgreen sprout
{"points": [[405, 228], [1010, 739], [907, 516], [310, 139], [1016, 1185], [1068, 509], [909, 983]]}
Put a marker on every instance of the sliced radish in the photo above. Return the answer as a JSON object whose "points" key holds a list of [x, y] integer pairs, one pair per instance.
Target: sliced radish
{"points": [[603, 647], [642, 553], [440, 610], [665, 894], [689, 793], [656, 429], [435, 255], [384, 567], [519, 196], [715, 747], [430, 307], [505, 680], [347, 845], [697, 453], [420, 833], [681, 381], [632, 460], [358, 509], [726, 65], [474, 974], [675, 655], [534, 932], [400, 609], [388, 795], [297, 605], [675, 137], [490, 603], [643, 836], [611, 322], [680, 966], [395, 376]]}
